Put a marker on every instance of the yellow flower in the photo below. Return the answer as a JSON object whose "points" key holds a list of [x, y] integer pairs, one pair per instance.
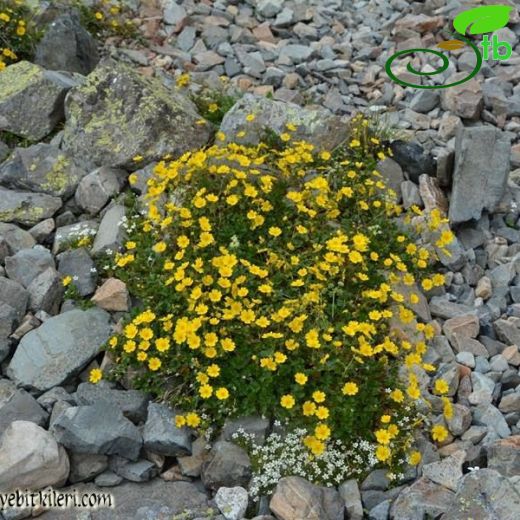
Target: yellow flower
{"points": [[300, 378], [350, 388], [287, 401], [385, 419], [192, 420], [275, 231], [439, 433], [322, 432], [99, 16], [20, 30], [205, 391], [154, 364], [322, 413], [180, 421], [162, 344], [160, 247], [213, 370], [319, 396], [414, 458], [250, 118], [308, 408], [66, 281], [441, 387], [382, 436], [228, 344], [325, 156], [383, 453], [213, 107], [222, 394], [95, 375], [397, 396]]}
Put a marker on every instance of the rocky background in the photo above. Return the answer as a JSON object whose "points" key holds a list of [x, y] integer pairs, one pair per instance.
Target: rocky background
{"points": [[83, 112]]}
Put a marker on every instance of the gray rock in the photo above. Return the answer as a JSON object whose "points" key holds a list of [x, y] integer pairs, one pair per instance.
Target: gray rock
{"points": [[412, 158], [28, 264], [49, 398], [504, 456], [78, 264], [269, 8], [42, 231], [108, 479], [316, 126], [227, 465], [139, 471], [465, 100], [392, 174], [96, 189], [20, 84], [295, 53], [485, 150], [460, 421], [446, 472], [423, 498], [31, 458], [132, 403], [18, 405], [110, 235], [508, 331], [488, 415], [173, 13], [118, 114], [295, 497], [25, 208], [424, 101], [86, 466], [349, 492], [14, 295], [4, 151], [72, 233], [232, 502], [410, 194], [485, 494], [46, 292], [162, 436], [59, 349], [381, 511], [77, 48], [510, 403], [97, 429], [15, 238], [41, 168], [256, 426]]}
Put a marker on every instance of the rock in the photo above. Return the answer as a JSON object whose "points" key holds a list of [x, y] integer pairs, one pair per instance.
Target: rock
{"points": [[162, 436], [140, 471], [42, 231], [504, 456], [256, 426], [488, 415], [31, 458], [432, 196], [46, 291], [467, 326], [422, 499], [20, 85], [108, 479], [59, 349], [110, 236], [446, 472], [349, 492], [465, 100], [295, 498], [392, 174], [295, 53], [97, 429], [26, 208], [507, 331], [112, 296], [381, 511], [412, 159], [510, 403], [319, 127], [410, 194], [232, 502], [4, 151], [97, 188], [227, 465], [173, 13], [15, 238], [132, 403], [14, 295], [72, 233], [18, 405], [460, 421], [269, 8], [78, 264], [484, 288], [49, 398], [480, 175], [77, 48], [86, 466], [485, 494], [27, 264], [424, 101], [118, 114], [41, 168]]}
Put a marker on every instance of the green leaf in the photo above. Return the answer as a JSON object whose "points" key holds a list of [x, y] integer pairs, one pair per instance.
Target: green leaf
{"points": [[483, 19]]}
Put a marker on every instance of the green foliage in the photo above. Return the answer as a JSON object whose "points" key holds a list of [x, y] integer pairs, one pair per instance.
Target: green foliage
{"points": [[213, 104]]}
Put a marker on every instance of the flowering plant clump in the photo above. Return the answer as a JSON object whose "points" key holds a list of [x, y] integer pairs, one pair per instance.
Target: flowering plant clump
{"points": [[17, 32], [278, 282], [105, 18]]}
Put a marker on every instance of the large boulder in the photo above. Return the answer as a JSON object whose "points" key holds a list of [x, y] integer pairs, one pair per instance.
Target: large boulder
{"points": [[97, 429], [77, 48], [296, 498], [42, 168], [118, 114], [59, 349], [30, 458], [482, 163], [25, 208], [31, 100], [317, 126]]}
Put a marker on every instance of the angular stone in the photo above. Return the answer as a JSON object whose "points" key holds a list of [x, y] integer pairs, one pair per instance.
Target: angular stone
{"points": [[86, 466], [488, 415], [319, 127], [232, 502], [77, 48], [412, 159], [162, 436], [15, 238], [109, 235], [139, 471], [481, 167], [28, 264], [432, 195], [31, 458], [95, 189], [392, 174], [73, 233], [118, 114], [14, 295], [507, 331], [132, 403], [20, 85], [462, 326], [256, 426], [504, 456], [465, 100], [349, 492], [228, 465], [41, 168], [99, 429], [460, 421], [446, 472], [46, 291], [78, 264], [26, 208], [59, 349], [295, 497], [112, 296]]}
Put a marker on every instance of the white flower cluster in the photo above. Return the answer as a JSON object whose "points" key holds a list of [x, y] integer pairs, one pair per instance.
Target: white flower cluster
{"points": [[285, 455]]}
